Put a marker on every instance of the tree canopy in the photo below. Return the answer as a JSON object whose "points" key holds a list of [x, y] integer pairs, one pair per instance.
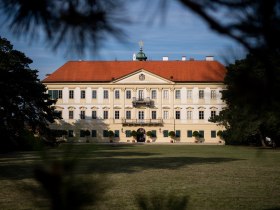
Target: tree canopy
{"points": [[24, 104], [253, 108]]}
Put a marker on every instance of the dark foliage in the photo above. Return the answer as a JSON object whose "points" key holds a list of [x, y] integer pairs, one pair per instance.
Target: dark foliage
{"points": [[78, 24], [252, 99], [24, 104]]}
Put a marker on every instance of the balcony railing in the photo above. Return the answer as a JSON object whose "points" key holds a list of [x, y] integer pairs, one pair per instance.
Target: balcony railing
{"points": [[154, 122], [136, 102]]}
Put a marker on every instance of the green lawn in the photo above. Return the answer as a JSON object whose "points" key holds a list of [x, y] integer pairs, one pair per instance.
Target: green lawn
{"points": [[211, 177]]}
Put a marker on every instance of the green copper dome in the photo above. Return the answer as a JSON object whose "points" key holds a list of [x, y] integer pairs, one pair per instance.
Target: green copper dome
{"points": [[141, 55]]}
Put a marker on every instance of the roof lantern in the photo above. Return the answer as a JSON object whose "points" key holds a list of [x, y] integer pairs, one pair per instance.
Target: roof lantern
{"points": [[141, 55]]}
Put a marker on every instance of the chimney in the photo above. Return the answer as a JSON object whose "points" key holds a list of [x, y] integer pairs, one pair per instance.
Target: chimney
{"points": [[47, 75], [165, 58], [184, 58], [209, 58], [191, 59]]}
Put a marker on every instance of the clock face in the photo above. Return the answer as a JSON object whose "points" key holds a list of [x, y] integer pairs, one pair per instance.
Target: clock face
{"points": [[141, 77]]}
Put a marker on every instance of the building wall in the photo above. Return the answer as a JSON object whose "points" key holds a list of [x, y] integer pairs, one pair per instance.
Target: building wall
{"points": [[162, 104]]}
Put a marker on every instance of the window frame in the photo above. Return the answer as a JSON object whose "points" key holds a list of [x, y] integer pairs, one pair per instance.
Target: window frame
{"points": [[70, 114], [178, 94], [117, 94], [128, 94], [71, 94], [189, 94], [105, 114], [93, 116], [83, 94], [201, 115], [105, 94], [94, 94], [200, 94], [117, 115], [213, 94], [165, 94], [189, 134], [165, 115], [153, 94], [82, 114], [189, 115], [128, 116], [154, 114], [177, 114]]}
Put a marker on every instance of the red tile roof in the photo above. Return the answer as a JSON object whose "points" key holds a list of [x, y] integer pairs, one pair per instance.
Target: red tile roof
{"points": [[106, 71]]}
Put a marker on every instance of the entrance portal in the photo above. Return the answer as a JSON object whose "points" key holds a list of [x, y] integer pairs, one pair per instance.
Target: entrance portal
{"points": [[141, 135]]}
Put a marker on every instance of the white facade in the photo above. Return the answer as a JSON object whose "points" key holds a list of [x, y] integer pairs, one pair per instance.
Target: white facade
{"points": [[139, 100]]}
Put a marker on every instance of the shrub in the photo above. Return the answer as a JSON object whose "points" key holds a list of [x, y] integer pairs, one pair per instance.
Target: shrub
{"points": [[150, 134], [196, 134], [171, 134]]}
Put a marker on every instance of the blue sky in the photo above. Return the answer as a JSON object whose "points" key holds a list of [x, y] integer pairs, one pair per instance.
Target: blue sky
{"points": [[177, 33]]}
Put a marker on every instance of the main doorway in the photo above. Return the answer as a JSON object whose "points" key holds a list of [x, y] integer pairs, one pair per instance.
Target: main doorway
{"points": [[141, 135]]}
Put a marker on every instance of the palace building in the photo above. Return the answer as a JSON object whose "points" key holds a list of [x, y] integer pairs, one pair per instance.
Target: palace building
{"points": [[138, 95]]}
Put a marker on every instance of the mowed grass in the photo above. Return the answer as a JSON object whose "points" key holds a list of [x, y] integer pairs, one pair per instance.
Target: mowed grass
{"points": [[211, 177]]}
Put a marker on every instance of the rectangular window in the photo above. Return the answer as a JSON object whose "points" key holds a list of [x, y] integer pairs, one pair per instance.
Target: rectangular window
{"points": [[165, 115], [60, 94], [117, 115], [128, 115], [201, 115], [93, 114], [154, 115], [177, 115], [128, 94], [165, 94], [71, 115], [117, 94], [141, 115], [178, 133], [177, 94], [213, 94], [213, 113], [70, 133], [105, 133], [117, 133], [201, 94], [154, 133], [201, 133], [105, 114], [128, 133], [93, 133], [83, 94], [83, 115], [189, 94], [71, 94], [105, 94], [189, 133], [165, 133], [55, 94], [213, 134], [154, 94], [140, 94], [94, 94], [189, 115]]}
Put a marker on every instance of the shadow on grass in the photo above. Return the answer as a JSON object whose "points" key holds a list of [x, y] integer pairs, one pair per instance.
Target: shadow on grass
{"points": [[133, 165], [94, 158]]}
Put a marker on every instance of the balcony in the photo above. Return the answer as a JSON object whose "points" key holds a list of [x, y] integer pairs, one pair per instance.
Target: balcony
{"points": [[147, 122], [140, 102]]}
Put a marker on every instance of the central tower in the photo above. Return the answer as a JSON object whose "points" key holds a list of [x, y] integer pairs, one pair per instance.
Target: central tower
{"points": [[141, 55]]}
